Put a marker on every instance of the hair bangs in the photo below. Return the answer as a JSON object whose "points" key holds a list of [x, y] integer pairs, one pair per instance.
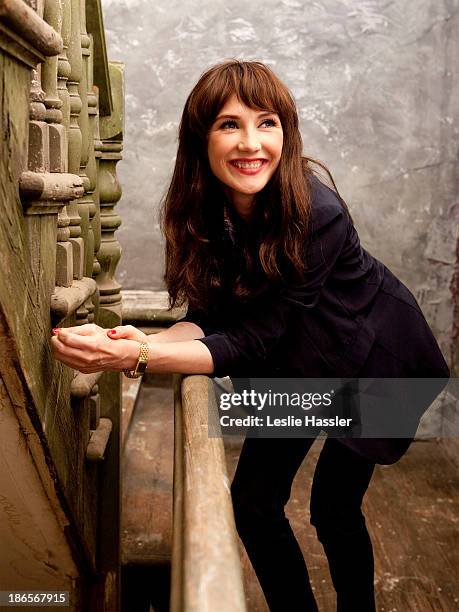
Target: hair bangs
{"points": [[254, 86], [253, 83]]}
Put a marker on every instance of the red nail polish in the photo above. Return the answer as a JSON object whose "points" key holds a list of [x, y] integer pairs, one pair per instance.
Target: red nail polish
{"points": [[112, 331], [56, 330]]}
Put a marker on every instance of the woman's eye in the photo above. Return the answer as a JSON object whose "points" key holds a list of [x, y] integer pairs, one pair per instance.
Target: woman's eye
{"points": [[269, 123], [229, 124]]}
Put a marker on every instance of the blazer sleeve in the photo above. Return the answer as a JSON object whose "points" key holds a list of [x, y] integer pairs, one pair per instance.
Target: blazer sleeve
{"points": [[254, 334]]}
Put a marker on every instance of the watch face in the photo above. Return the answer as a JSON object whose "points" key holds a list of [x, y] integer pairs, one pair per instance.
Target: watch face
{"points": [[143, 358], [141, 367]]}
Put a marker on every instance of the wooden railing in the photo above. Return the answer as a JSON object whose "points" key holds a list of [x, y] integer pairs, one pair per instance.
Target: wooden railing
{"points": [[206, 566]]}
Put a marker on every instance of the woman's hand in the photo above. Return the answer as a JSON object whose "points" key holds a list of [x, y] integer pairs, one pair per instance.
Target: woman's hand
{"points": [[87, 348], [128, 332]]}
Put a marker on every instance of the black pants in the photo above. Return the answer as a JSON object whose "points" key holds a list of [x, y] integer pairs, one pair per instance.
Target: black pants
{"points": [[260, 490]]}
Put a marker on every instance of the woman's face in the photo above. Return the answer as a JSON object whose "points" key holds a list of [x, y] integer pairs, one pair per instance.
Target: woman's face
{"points": [[244, 147]]}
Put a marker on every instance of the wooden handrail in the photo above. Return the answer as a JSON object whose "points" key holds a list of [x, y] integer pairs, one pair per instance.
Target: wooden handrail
{"points": [[206, 566], [23, 20]]}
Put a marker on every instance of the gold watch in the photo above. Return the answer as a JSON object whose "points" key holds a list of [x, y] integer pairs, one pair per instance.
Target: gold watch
{"points": [[141, 362]]}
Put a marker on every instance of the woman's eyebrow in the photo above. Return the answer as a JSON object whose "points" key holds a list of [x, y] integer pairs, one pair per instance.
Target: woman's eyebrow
{"points": [[227, 117], [260, 114], [266, 113]]}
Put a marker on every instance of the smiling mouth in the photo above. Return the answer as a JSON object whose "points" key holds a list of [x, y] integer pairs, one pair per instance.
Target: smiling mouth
{"points": [[248, 165]]}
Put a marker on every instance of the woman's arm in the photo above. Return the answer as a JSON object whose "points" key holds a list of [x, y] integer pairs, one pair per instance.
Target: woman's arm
{"points": [[189, 357], [193, 347], [179, 332], [89, 349]]}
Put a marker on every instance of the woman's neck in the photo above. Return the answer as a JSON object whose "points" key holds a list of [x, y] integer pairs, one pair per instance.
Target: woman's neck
{"points": [[243, 205]]}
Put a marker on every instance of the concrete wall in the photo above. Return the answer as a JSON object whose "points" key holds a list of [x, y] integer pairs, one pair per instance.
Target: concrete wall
{"points": [[374, 85]]}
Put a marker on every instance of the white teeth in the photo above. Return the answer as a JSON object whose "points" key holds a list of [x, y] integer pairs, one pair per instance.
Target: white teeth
{"points": [[252, 165]]}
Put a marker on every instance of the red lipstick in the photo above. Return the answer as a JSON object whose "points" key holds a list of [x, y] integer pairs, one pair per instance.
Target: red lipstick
{"points": [[248, 166]]}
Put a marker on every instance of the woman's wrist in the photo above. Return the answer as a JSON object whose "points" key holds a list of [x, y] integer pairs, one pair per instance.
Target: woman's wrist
{"points": [[131, 351]]}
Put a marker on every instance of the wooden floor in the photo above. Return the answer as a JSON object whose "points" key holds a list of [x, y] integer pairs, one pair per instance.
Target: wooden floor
{"points": [[412, 513], [411, 510]]}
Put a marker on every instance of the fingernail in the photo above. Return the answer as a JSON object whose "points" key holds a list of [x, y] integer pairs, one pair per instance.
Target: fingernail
{"points": [[112, 331], [56, 330]]}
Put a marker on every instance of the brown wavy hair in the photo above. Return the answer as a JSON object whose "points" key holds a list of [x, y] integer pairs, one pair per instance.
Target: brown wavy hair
{"points": [[273, 246]]}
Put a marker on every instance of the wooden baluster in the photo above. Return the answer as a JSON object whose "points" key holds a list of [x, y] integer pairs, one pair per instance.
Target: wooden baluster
{"points": [[84, 125], [38, 162], [94, 210], [53, 104], [91, 177], [37, 95], [81, 315], [64, 70], [57, 133], [64, 253], [91, 168], [52, 101], [75, 137], [38, 129], [111, 131], [110, 250], [95, 221], [94, 408]]}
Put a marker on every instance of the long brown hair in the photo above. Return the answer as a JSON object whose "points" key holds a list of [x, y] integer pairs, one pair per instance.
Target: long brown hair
{"points": [[193, 206]]}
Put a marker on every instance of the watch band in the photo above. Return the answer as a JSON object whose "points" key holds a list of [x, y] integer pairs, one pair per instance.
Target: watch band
{"points": [[141, 362]]}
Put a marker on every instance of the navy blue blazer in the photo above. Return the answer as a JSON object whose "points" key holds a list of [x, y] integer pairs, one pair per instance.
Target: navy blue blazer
{"points": [[328, 326]]}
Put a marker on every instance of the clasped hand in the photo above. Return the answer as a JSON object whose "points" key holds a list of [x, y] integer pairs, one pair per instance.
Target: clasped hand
{"points": [[90, 348]]}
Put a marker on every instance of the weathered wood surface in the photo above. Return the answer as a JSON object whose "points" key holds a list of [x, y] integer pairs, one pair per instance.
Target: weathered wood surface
{"points": [[83, 384], [42, 171], [24, 21], [411, 510], [151, 306], [147, 476], [98, 440], [131, 388], [108, 309], [34, 548], [178, 518], [66, 300], [26, 282], [19, 48], [95, 24], [50, 186], [206, 569]]}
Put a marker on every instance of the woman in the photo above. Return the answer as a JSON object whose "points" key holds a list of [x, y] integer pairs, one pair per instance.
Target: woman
{"points": [[277, 285]]}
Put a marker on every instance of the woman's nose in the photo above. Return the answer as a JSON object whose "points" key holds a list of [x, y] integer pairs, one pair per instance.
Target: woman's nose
{"points": [[249, 142]]}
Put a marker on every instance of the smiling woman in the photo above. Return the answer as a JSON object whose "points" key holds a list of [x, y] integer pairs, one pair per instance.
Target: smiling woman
{"points": [[238, 114], [244, 150], [268, 260]]}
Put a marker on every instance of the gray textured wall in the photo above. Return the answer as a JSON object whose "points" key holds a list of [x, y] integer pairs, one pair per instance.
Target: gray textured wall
{"points": [[374, 85]]}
